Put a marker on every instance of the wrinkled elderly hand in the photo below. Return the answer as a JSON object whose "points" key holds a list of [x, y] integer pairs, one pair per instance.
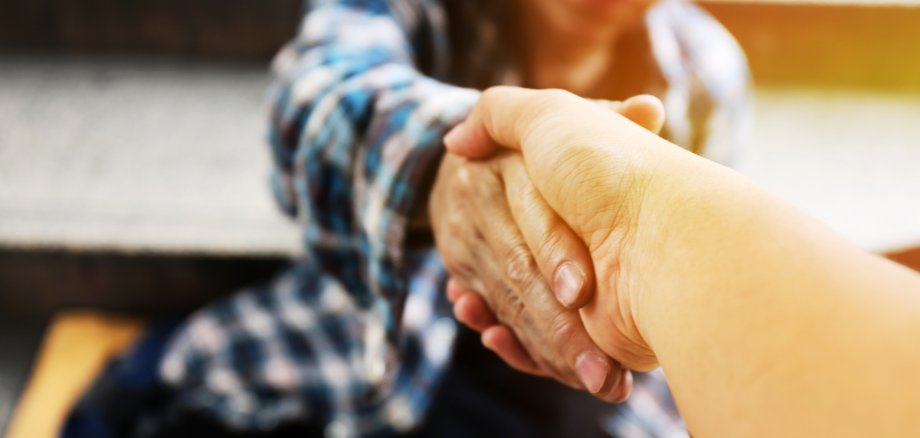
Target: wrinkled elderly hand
{"points": [[486, 216], [593, 167]]}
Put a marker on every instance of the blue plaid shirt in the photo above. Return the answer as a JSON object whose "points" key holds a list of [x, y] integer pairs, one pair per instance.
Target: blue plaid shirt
{"points": [[357, 334]]}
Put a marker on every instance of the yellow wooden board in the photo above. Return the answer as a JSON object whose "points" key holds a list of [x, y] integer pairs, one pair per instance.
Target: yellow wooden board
{"points": [[76, 347]]}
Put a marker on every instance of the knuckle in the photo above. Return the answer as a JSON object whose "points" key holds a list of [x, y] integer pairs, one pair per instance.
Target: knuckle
{"points": [[552, 97], [463, 186], [510, 309], [520, 189], [554, 243], [557, 94], [457, 268], [457, 228], [475, 179], [563, 329], [520, 265], [489, 93], [494, 92], [451, 264]]}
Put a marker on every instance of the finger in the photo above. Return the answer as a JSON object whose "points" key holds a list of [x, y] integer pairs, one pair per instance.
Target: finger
{"points": [[612, 393], [454, 290], [561, 255], [472, 310], [644, 110], [505, 344], [574, 356], [515, 303], [481, 133], [622, 391]]}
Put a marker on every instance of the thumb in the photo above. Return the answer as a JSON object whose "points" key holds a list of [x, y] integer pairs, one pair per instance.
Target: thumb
{"points": [[497, 120]]}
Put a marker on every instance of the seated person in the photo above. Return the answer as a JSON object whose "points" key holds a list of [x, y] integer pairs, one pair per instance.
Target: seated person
{"points": [[763, 320], [357, 337]]}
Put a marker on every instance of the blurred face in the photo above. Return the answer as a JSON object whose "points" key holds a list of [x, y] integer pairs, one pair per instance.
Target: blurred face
{"points": [[590, 19]]}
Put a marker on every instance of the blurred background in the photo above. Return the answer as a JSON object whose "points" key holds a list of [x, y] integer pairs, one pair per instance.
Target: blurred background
{"points": [[133, 172]]}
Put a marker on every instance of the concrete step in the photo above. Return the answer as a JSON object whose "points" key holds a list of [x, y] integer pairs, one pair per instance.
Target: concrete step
{"points": [[137, 155], [134, 185]]}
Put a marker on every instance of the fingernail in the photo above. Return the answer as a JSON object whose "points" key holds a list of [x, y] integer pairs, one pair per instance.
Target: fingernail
{"points": [[453, 135], [624, 386], [567, 283], [592, 369]]}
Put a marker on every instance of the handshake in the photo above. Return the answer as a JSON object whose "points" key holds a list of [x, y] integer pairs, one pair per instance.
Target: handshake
{"points": [[582, 245], [529, 236]]}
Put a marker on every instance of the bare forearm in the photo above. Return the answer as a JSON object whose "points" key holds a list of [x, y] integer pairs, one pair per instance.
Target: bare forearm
{"points": [[766, 322]]}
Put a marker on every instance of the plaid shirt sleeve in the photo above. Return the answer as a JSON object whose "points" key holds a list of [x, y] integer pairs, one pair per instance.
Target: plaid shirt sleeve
{"points": [[355, 336], [355, 131]]}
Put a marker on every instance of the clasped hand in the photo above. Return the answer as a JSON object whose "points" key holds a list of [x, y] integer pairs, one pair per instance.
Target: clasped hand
{"points": [[519, 271]]}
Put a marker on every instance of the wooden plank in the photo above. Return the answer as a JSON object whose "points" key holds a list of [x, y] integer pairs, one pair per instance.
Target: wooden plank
{"points": [[907, 257], [78, 344], [852, 45]]}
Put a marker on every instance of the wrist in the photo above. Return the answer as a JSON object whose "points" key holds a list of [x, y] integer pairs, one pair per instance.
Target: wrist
{"points": [[691, 243], [627, 257]]}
